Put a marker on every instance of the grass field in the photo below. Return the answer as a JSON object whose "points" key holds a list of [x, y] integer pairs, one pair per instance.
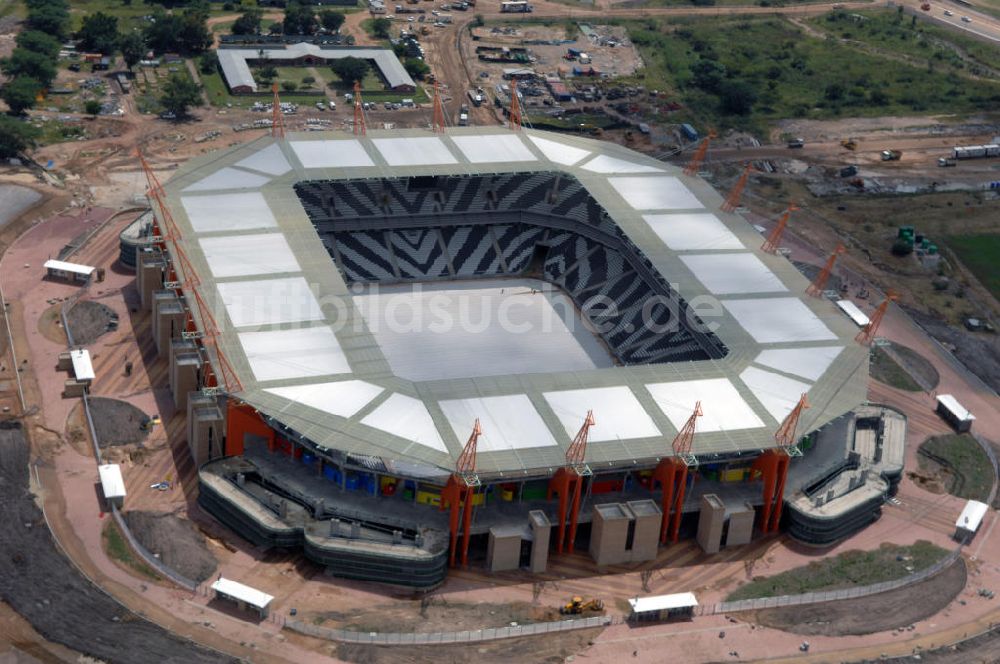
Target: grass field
{"points": [[118, 549], [886, 370], [971, 475], [846, 570], [748, 72], [981, 254]]}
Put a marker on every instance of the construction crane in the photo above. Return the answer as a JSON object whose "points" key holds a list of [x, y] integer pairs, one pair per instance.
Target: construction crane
{"points": [[672, 473], [438, 121], [569, 480], [867, 333], [699, 156], [359, 111], [515, 107], [819, 284], [736, 194], [770, 245], [459, 492], [277, 117]]}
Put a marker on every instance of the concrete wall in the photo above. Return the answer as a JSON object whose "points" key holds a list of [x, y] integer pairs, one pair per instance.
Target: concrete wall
{"points": [[609, 531], [740, 526], [710, 522], [541, 532], [646, 540], [504, 549], [205, 424]]}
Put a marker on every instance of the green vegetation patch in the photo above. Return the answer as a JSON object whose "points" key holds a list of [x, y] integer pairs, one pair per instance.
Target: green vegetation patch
{"points": [[118, 549], [846, 570], [748, 72], [886, 370], [969, 470], [981, 254]]}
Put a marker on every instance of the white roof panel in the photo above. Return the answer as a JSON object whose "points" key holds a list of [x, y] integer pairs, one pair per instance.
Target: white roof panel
{"points": [[228, 212], [778, 319], [618, 415], [73, 268], [407, 418], [82, 367], [112, 484], [951, 403], [229, 178], [663, 602], [723, 409], [344, 398], [692, 232], [270, 160], [414, 151], [777, 393], [269, 301], [295, 353], [331, 154], [853, 312], [809, 363], [558, 152], [508, 422], [602, 163], [972, 515], [729, 274], [246, 255], [655, 193], [238, 591], [493, 148]]}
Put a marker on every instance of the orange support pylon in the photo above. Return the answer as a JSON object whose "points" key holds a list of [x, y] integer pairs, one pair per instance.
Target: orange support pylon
{"points": [[277, 117], [515, 107], [359, 111], [567, 483], [699, 156], [772, 465], [242, 419], [438, 122], [672, 473], [816, 287], [770, 245], [736, 194], [458, 494], [867, 333]]}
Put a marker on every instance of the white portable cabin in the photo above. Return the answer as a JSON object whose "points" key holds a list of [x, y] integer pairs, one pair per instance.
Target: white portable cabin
{"points": [[970, 519], [112, 484], [853, 312], [663, 607], [954, 413], [70, 271], [83, 369], [243, 595]]}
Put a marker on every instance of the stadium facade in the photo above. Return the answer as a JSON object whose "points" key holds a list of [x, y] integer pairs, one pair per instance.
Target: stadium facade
{"points": [[343, 428]]}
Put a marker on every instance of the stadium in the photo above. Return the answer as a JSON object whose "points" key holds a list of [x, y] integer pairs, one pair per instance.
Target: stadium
{"points": [[406, 346]]}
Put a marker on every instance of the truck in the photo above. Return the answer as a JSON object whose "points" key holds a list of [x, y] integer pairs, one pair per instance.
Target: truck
{"points": [[515, 7], [689, 132], [945, 162], [796, 143], [476, 97], [976, 151], [891, 155]]}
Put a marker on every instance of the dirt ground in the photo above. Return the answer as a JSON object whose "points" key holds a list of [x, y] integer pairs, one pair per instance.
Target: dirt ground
{"points": [[88, 321], [888, 611], [176, 540], [437, 616], [117, 422], [979, 352], [983, 649], [64, 607]]}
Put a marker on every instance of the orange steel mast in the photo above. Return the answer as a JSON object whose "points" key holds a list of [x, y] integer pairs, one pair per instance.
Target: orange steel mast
{"points": [[515, 107], [672, 474], [773, 464], [438, 122], [699, 156], [770, 245], [459, 492], [569, 480], [277, 117], [867, 333], [359, 114], [816, 287], [733, 199]]}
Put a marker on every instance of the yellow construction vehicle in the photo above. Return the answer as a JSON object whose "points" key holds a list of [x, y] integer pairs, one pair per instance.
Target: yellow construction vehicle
{"points": [[849, 143], [577, 606]]}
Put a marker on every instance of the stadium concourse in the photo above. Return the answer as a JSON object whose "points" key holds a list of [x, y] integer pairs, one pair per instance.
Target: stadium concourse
{"points": [[344, 394]]}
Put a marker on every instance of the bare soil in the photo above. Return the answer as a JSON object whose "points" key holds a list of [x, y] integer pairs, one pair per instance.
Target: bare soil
{"points": [[982, 649], [179, 544], [50, 325], [896, 609], [980, 353], [47, 590], [437, 616], [88, 321], [117, 422]]}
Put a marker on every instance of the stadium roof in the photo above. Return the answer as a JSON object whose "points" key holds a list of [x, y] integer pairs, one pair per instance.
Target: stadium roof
{"points": [[233, 61], [305, 356]]}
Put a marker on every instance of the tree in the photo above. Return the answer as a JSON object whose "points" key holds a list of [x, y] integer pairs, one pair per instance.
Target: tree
{"points": [[289, 86], [186, 32], [266, 73], [416, 68], [331, 20], [20, 94], [15, 136], [738, 97], [299, 19], [133, 47], [275, 28], [39, 42], [23, 62], [708, 74], [49, 19], [92, 107], [248, 23], [381, 27], [350, 69], [179, 94], [99, 33], [208, 62]]}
